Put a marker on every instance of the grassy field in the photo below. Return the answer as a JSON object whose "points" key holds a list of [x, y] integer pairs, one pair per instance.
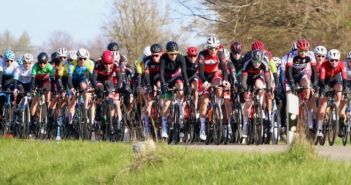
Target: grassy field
{"points": [[76, 162]]}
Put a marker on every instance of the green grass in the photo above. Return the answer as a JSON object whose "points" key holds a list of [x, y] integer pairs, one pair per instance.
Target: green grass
{"points": [[76, 162]]}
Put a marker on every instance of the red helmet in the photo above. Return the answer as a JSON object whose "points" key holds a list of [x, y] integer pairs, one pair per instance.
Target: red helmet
{"points": [[221, 46], [108, 57], [236, 47], [192, 51], [257, 45], [303, 44]]}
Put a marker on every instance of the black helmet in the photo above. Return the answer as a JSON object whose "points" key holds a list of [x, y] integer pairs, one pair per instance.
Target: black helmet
{"points": [[55, 55], [172, 46], [43, 57], [113, 46], [258, 55], [156, 48]]}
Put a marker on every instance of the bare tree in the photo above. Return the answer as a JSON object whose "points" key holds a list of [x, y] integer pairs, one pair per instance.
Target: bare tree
{"points": [[7, 41], [136, 24], [59, 39]]}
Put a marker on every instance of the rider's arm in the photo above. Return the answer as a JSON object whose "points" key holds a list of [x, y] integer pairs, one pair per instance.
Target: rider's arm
{"points": [[162, 71], [223, 64], [95, 75], [314, 75], [201, 68], [147, 74], [290, 75], [267, 75], [232, 73], [183, 67], [244, 80], [1, 72], [120, 77]]}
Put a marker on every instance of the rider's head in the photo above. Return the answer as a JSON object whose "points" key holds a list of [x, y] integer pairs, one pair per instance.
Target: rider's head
{"points": [[156, 52], [27, 60], [213, 45], [43, 59], [9, 56], [62, 54], [72, 55], [114, 47], [82, 55], [172, 50], [320, 52], [333, 57], [192, 53], [55, 58], [348, 58], [146, 52], [303, 46], [257, 58], [107, 59], [277, 61], [236, 49]]}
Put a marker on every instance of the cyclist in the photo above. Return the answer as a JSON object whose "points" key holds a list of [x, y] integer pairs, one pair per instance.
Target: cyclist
{"points": [[192, 69], [152, 79], [320, 53], [25, 74], [173, 74], [333, 75], [212, 70], [236, 57], [256, 74], [42, 73], [299, 66], [80, 72], [103, 81]]}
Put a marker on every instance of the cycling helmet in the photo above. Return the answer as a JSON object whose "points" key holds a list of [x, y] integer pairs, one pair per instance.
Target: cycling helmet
{"points": [[108, 57], [28, 57], [43, 57], [303, 44], [277, 61], [20, 60], [172, 46], [55, 56], [113, 46], [9, 55], [83, 53], [192, 51], [156, 48], [62, 52], [268, 54], [236, 47], [212, 41], [294, 46], [257, 45], [72, 54], [320, 50], [333, 54], [348, 56]]}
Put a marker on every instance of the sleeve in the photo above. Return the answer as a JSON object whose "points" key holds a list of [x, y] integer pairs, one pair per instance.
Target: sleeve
{"points": [[95, 75], [34, 70], [147, 73], [162, 71], [201, 59], [232, 73], [223, 64], [51, 70], [183, 67]]}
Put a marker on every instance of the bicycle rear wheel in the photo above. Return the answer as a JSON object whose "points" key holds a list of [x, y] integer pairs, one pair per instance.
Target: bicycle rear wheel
{"points": [[258, 125], [176, 125], [332, 125]]}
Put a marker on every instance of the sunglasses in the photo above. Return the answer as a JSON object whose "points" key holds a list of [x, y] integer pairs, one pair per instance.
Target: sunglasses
{"points": [[63, 57], [172, 54], [9, 60], [192, 56], [213, 48], [237, 53], [334, 60], [320, 56], [303, 51], [256, 62], [43, 63], [83, 59], [155, 56]]}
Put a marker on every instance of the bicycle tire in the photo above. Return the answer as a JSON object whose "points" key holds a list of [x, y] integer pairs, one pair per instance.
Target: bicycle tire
{"points": [[332, 126], [258, 125], [346, 135], [176, 124]]}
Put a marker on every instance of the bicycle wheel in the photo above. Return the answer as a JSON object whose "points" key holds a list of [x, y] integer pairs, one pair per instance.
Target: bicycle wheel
{"points": [[327, 118], [25, 122], [121, 132], [225, 128], [189, 127], [155, 121], [176, 124], [331, 131], [346, 134], [42, 132], [258, 125], [275, 123], [236, 124], [250, 132]]}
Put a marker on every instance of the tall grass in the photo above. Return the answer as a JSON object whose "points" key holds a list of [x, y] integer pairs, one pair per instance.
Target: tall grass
{"points": [[76, 162]]}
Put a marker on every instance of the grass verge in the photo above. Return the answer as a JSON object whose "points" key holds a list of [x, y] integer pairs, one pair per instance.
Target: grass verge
{"points": [[76, 162]]}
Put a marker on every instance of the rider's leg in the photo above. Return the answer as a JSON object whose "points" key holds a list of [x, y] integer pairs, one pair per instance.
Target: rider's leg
{"points": [[165, 107], [305, 82], [180, 95], [246, 111], [321, 113], [341, 104], [194, 87]]}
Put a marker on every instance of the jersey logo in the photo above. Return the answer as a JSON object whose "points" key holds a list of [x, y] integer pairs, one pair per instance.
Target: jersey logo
{"points": [[210, 61]]}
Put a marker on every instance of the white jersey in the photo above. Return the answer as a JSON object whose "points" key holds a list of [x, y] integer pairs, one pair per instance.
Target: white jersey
{"points": [[25, 76], [9, 71]]}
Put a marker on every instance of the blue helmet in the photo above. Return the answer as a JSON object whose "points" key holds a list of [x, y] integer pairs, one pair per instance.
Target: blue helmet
{"points": [[9, 55]]}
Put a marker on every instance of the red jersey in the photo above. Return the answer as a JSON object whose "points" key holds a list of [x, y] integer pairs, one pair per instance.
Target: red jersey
{"points": [[328, 72]]}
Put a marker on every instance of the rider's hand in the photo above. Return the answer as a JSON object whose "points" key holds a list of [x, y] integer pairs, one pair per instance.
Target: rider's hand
{"points": [[293, 88], [164, 88], [15, 91], [206, 85], [73, 91]]}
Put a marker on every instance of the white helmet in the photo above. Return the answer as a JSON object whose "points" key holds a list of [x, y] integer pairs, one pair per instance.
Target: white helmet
{"points": [[348, 55], [320, 50], [147, 51], [83, 53], [333, 54], [277, 61], [226, 53], [294, 46], [28, 57], [62, 52], [72, 54], [212, 41]]}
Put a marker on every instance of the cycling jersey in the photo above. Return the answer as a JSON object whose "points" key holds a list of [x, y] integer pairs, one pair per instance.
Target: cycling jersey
{"points": [[79, 72], [328, 72], [152, 71], [191, 68], [101, 74], [173, 70], [43, 73], [139, 66], [238, 64], [253, 73], [298, 67], [25, 75], [209, 65], [10, 73]]}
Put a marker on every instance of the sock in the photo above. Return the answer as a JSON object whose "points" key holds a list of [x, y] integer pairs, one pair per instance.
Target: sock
{"points": [[245, 120], [310, 119], [320, 124], [164, 123], [202, 121], [146, 120]]}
